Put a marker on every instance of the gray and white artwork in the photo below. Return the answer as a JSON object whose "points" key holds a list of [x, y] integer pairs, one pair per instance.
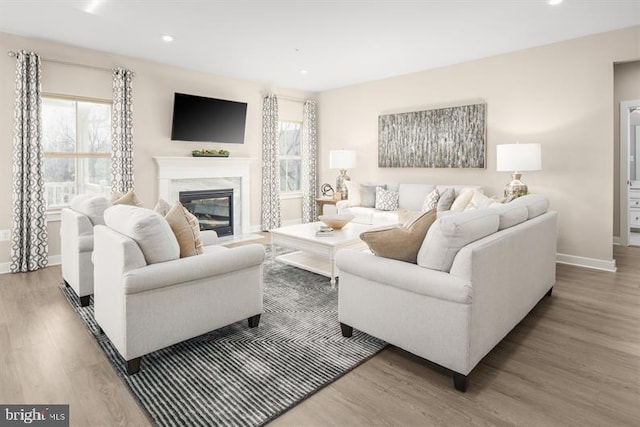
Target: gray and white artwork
{"points": [[453, 137]]}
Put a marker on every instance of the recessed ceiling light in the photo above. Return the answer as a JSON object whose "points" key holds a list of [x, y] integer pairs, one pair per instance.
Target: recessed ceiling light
{"points": [[303, 72], [167, 38], [554, 2]]}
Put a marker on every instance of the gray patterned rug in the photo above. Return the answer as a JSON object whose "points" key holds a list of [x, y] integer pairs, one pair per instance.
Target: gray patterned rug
{"points": [[236, 376]]}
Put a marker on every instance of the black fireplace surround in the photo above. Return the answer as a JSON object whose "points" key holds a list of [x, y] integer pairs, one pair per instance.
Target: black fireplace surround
{"points": [[213, 208]]}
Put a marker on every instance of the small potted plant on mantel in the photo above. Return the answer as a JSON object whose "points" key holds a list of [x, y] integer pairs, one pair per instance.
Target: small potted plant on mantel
{"points": [[210, 153]]}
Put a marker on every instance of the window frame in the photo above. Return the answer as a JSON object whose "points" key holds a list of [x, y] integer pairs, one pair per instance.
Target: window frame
{"points": [[295, 194], [53, 214]]}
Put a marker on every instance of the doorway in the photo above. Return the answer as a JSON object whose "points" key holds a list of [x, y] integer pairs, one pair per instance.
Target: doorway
{"points": [[630, 173]]}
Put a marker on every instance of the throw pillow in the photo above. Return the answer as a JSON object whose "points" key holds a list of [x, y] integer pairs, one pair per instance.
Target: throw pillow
{"points": [[446, 200], [186, 228], [431, 202], [400, 242], [462, 201], [386, 200], [368, 195], [407, 215], [479, 201], [91, 206], [148, 228], [353, 193], [162, 207], [128, 199]]}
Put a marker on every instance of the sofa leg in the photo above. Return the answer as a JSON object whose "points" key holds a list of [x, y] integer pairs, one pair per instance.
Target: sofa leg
{"points": [[133, 365], [347, 330], [548, 294], [254, 320], [460, 382], [84, 301]]}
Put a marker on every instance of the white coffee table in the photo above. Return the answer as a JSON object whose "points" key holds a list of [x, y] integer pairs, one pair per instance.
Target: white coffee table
{"points": [[316, 254]]}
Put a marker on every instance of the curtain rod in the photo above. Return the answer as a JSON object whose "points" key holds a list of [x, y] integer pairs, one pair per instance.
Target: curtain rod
{"points": [[57, 61], [287, 98]]}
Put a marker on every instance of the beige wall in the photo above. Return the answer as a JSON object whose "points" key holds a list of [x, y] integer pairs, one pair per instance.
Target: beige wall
{"points": [[626, 88], [558, 95], [154, 85]]}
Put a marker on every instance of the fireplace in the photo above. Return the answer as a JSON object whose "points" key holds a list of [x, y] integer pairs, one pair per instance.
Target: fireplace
{"points": [[213, 208]]}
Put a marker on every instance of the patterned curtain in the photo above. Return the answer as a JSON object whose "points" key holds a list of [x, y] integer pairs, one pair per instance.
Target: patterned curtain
{"points": [[29, 248], [122, 132], [270, 164], [309, 162]]}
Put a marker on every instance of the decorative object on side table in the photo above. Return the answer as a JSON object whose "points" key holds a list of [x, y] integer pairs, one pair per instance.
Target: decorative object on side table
{"points": [[210, 153], [327, 190], [517, 158], [343, 160], [336, 221]]}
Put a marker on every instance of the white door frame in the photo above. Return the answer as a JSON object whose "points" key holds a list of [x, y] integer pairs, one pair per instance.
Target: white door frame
{"points": [[625, 110]]}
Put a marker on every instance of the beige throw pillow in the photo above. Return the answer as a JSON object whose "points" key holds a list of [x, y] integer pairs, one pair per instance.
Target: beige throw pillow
{"points": [[128, 199], [400, 242], [162, 207], [187, 230], [462, 201]]}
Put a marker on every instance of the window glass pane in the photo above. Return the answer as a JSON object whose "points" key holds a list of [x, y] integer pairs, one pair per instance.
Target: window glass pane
{"points": [[289, 138], [293, 175], [94, 127], [59, 182], [93, 175], [58, 125], [283, 175]]}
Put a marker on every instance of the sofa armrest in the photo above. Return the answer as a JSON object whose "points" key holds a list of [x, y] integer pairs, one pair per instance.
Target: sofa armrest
{"points": [[209, 237], [404, 275], [197, 267]]}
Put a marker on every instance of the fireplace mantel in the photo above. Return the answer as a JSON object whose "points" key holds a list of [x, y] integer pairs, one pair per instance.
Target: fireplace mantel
{"points": [[173, 170]]}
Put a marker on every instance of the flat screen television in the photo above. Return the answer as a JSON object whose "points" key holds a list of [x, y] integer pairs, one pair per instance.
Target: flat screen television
{"points": [[196, 118]]}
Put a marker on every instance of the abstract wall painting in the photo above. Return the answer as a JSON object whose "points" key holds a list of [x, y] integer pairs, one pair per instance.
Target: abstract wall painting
{"points": [[453, 137]]}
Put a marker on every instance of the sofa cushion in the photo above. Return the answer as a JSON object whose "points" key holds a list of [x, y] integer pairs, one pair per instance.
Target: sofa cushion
{"points": [[91, 206], [130, 198], [400, 242], [368, 195], [431, 201], [386, 200], [452, 232], [148, 228], [186, 228], [412, 196], [536, 204], [510, 214]]}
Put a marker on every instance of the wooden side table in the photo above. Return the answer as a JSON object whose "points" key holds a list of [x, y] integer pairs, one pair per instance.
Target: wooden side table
{"points": [[321, 201]]}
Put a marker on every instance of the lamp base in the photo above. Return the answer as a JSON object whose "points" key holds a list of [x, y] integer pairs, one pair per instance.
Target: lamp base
{"points": [[516, 188], [341, 186]]}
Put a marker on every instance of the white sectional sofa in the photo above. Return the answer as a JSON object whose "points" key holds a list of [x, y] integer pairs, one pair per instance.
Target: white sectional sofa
{"points": [[410, 197], [478, 274]]}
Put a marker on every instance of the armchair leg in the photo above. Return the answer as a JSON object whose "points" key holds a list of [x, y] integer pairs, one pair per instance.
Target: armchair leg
{"points": [[254, 320], [347, 330], [460, 382], [133, 365], [548, 294], [84, 301]]}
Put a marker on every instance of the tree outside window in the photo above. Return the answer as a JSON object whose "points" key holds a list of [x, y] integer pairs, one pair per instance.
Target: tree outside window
{"points": [[290, 134], [76, 140]]}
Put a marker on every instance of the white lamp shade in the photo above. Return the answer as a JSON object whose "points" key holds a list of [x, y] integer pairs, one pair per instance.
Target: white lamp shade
{"points": [[518, 157], [342, 159]]}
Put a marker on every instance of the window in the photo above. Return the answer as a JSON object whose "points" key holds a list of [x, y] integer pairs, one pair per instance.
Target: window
{"points": [[290, 156], [76, 140]]}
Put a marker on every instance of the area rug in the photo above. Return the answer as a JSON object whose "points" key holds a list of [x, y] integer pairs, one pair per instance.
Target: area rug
{"points": [[237, 376]]}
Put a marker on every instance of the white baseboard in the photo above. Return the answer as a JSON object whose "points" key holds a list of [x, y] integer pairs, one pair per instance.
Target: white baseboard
{"points": [[593, 263], [5, 267]]}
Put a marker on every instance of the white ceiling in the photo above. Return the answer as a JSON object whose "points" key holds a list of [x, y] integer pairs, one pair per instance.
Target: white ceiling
{"points": [[340, 43]]}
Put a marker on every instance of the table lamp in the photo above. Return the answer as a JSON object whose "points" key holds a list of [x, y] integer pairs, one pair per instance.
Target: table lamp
{"points": [[343, 160], [516, 158]]}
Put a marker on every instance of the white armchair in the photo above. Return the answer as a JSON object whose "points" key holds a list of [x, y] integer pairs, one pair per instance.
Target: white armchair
{"points": [[76, 232], [147, 298]]}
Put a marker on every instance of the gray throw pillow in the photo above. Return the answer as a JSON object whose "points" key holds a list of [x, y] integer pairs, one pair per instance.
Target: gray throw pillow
{"points": [[368, 195]]}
